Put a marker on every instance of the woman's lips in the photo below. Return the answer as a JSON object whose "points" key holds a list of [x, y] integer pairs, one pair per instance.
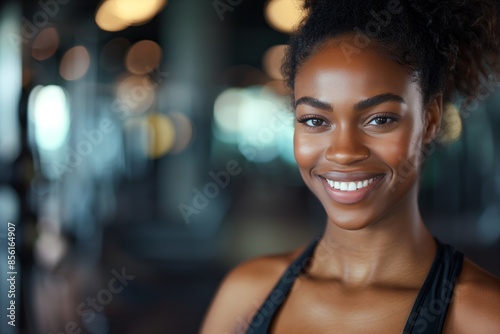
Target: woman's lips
{"points": [[351, 191]]}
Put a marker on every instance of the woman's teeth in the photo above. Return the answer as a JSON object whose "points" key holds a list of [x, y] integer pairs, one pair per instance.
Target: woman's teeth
{"points": [[350, 186]]}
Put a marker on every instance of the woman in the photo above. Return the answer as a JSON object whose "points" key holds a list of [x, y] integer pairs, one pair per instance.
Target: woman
{"points": [[369, 82]]}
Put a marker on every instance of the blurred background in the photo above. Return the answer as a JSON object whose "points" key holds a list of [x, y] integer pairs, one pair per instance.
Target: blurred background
{"points": [[145, 149]]}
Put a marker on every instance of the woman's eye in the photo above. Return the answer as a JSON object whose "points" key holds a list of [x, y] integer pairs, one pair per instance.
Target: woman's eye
{"points": [[314, 122], [381, 120]]}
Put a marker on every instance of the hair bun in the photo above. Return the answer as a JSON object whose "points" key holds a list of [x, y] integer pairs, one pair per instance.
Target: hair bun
{"points": [[466, 35]]}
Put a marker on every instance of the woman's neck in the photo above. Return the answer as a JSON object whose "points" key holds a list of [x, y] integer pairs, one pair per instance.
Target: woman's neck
{"points": [[397, 248]]}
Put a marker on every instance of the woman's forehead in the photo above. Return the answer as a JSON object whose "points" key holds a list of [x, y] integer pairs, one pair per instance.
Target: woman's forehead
{"points": [[369, 72]]}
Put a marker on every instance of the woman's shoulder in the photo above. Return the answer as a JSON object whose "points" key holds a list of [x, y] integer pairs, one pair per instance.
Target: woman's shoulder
{"points": [[476, 304], [263, 268], [243, 290]]}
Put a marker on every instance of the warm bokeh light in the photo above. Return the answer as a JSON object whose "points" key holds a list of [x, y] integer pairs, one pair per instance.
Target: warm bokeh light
{"points": [[138, 12], [116, 15], [452, 124], [49, 111], [272, 60], [183, 130], [107, 19], [135, 94], [284, 15], [112, 53], [75, 63], [162, 136], [45, 44], [143, 57]]}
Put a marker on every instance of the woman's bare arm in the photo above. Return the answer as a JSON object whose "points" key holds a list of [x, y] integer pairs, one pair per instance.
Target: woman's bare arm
{"points": [[476, 304]]}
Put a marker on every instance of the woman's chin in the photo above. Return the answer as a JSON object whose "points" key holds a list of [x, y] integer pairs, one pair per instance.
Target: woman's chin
{"points": [[349, 222]]}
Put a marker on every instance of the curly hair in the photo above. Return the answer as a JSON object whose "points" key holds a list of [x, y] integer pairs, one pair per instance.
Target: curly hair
{"points": [[449, 45]]}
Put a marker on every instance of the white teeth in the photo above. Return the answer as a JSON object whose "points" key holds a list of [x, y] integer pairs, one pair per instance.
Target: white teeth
{"points": [[349, 186]]}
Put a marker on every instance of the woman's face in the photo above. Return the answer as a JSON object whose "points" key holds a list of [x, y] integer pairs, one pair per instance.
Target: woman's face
{"points": [[359, 133]]}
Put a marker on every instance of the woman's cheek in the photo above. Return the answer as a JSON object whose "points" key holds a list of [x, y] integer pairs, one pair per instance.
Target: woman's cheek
{"points": [[401, 154], [307, 149]]}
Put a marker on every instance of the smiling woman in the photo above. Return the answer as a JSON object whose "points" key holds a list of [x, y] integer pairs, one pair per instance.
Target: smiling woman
{"points": [[366, 103], [359, 131]]}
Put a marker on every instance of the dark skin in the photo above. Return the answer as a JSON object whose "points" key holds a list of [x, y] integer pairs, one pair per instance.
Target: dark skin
{"points": [[356, 121]]}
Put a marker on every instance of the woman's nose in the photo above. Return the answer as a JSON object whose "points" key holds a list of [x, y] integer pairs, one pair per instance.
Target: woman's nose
{"points": [[346, 146]]}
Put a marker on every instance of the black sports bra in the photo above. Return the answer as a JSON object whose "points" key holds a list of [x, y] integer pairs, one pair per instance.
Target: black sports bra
{"points": [[429, 310]]}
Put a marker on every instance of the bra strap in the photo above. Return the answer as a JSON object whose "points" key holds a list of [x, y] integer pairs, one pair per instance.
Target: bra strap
{"points": [[261, 321], [434, 298]]}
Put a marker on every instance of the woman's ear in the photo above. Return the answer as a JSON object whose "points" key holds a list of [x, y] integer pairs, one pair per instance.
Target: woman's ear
{"points": [[433, 116]]}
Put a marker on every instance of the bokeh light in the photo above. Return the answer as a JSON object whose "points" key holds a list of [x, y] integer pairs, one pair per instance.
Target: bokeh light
{"points": [[116, 15], [162, 135], [11, 69], [49, 112], [278, 87], [138, 12], [75, 63], [143, 57], [226, 109], [45, 44], [135, 94], [257, 121], [107, 19], [49, 249], [272, 60], [452, 123], [183, 131], [284, 15]]}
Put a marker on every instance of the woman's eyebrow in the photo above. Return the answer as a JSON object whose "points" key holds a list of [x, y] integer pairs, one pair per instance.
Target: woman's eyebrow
{"points": [[364, 104], [378, 99], [315, 103]]}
